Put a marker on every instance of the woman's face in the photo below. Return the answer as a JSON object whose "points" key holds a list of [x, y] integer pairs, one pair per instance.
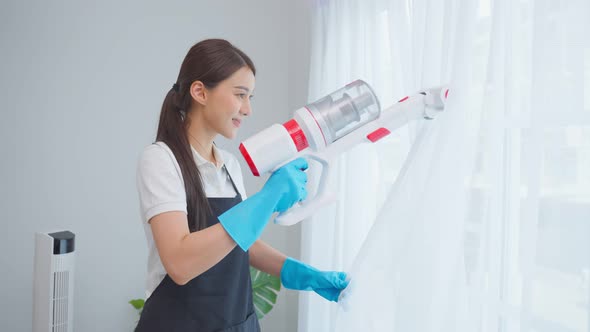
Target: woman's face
{"points": [[229, 102]]}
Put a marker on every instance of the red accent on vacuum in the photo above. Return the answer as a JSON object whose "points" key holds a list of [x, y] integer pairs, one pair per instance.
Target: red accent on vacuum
{"points": [[378, 134], [249, 160], [297, 135]]}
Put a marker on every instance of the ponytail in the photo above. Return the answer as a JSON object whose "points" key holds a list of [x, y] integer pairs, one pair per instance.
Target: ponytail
{"points": [[172, 131]]}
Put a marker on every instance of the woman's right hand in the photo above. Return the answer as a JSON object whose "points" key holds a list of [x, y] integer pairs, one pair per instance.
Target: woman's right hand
{"points": [[288, 184], [245, 221]]}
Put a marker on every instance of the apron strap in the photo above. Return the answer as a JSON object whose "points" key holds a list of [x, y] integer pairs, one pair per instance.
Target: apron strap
{"points": [[231, 180]]}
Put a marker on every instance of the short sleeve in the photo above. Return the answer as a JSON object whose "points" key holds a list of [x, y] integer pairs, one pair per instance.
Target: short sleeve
{"points": [[159, 182]]}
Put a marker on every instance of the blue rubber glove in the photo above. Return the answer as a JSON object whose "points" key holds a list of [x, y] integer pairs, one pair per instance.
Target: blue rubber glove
{"points": [[300, 276], [286, 186]]}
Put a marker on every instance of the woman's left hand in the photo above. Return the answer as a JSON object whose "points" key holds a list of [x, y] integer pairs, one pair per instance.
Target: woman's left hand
{"points": [[300, 276]]}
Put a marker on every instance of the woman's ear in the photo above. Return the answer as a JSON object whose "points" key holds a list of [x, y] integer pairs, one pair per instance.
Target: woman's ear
{"points": [[199, 92]]}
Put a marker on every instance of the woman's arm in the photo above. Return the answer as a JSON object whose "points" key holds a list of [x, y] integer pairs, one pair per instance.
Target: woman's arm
{"points": [[266, 258], [186, 255]]}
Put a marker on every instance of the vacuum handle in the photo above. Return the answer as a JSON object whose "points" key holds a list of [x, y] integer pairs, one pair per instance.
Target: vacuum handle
{"points": [[307, 208]]}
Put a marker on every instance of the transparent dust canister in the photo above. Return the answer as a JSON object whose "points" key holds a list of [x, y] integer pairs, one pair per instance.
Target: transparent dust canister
{"points": [[345, 110]]}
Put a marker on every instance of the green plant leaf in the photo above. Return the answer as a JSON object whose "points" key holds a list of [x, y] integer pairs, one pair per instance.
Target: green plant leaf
{"points": [[262, 305], [264, 291], [267, 294], [137, 303]]}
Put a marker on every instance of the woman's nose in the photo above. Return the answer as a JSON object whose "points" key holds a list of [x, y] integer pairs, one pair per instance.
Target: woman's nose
{"points": [[246, 109]]}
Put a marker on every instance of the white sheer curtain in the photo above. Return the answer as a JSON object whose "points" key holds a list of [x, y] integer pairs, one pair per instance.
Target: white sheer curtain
{"points": [[480, 219]]}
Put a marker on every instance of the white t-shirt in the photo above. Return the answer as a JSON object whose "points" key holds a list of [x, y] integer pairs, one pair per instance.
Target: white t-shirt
{"points": [[161, 189]]}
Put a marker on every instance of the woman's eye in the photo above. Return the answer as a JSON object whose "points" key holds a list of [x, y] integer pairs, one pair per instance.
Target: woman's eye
{"points": [[241, 95]]}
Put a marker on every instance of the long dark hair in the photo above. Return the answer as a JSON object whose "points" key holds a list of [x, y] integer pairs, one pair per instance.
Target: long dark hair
{"points": [[209, 61]]}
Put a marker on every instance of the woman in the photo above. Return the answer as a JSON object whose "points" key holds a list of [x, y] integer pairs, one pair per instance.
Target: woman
{"points": [[202, 232]]}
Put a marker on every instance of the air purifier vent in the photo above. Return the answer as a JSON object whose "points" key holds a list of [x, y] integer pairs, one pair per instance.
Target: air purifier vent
{"points": [[60, 301]]}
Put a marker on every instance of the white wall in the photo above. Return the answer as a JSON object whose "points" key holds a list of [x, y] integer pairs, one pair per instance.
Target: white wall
{"points": [[81, 86]]}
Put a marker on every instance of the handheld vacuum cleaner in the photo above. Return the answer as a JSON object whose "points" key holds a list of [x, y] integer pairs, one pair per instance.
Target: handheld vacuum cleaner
{"points": [[328, 127]]}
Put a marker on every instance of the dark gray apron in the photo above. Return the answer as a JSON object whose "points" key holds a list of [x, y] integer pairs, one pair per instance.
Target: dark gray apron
{"points": [[218, 300]]}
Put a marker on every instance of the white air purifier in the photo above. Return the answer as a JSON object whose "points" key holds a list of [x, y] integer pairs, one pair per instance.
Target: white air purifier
{"points": [[53, 282]]}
